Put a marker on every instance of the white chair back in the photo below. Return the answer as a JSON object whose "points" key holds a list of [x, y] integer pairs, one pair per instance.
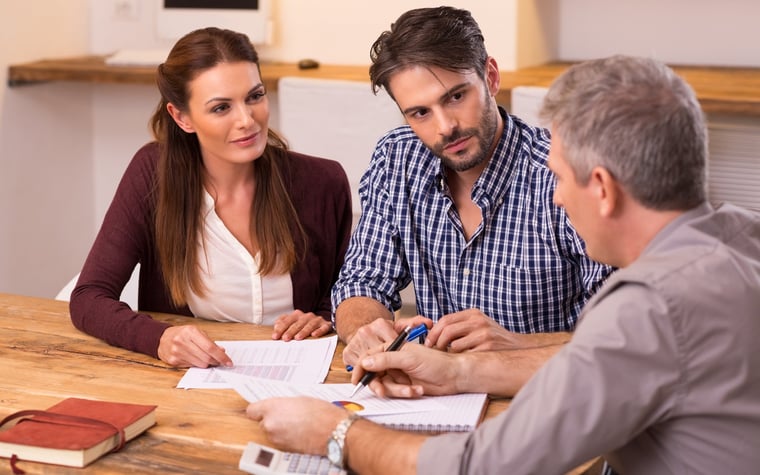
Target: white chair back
{"points": [[526, 102], [336, 119], [128, 295]]}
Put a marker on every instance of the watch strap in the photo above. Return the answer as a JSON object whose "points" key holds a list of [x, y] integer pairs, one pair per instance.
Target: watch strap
{"points": [[339, 436]]}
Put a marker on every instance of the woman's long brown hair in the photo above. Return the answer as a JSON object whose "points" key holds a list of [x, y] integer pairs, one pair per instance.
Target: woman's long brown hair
{"points": [[179, 183]]}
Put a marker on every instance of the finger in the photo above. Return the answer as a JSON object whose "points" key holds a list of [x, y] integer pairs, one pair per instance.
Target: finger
{"points": [[357, 374], [220, 357], [183, 349], [369, 336], [358, 370], [255, 411], [350, 354], [392, 381], [383, 330], [434, 334], [195, 357], [282, 324], [310, 322], [388, 386], [358, 347], [295, 327], [208, 351], [412, 322], [315, 326], [451, 331], [475, 339], [383, 361], [323, 329]]}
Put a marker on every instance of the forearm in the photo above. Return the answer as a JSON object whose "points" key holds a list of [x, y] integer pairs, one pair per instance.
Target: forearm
{"points": [[355, 312], [540, 340], [373, 449], [501, 373], [96, 313]]}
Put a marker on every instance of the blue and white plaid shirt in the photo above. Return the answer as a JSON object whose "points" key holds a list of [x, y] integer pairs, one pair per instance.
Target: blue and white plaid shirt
{"points": [[524, 266]]}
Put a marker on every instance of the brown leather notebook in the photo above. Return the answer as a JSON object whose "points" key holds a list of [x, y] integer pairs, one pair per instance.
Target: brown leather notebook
{"points": [[73, 432]]}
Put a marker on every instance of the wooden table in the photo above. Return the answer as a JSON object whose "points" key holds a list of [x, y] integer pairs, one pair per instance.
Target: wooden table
{"points": [[720, 90], [45, 359]]}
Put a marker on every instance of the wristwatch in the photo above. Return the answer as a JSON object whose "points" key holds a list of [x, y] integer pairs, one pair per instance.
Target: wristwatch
{"points": [[336, 443]]}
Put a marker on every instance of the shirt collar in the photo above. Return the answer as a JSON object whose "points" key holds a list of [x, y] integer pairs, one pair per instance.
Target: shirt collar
{"points": [[664, 233]]}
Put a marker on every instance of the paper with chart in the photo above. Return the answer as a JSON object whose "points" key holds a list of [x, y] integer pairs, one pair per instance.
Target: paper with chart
{"points": [[365, 403], [302, 361], [463, 413]]}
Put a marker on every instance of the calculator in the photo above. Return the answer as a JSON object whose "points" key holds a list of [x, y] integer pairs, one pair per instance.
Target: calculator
{"points": [[262, 460]]}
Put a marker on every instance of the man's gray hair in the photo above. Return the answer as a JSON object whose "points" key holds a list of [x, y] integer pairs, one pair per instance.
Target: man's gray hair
{"points": [[637, 119]]}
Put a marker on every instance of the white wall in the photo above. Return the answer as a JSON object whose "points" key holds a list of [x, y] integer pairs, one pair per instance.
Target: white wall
{"points": [[696, 32], [63, 146], [45, 149], [332, 31]]}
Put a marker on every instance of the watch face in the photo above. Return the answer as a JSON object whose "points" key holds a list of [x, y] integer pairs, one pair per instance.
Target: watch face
{"points": [[334, 452]]}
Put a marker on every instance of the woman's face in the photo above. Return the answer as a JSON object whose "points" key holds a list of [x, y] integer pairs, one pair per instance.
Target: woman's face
{"points": [[229, 112]]}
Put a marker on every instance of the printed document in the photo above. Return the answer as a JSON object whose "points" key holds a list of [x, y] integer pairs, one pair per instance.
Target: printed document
{"points": [[302, 362]]}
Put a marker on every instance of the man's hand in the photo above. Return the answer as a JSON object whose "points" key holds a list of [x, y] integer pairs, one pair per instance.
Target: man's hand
{"points": [[299, 325], [304, 425], [378, 333], [412, 372], [187, 345], [300, 424], [472, 330]]}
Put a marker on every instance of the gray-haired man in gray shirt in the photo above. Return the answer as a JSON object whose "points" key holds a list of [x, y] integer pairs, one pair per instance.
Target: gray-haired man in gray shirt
{"points": [[662, 375]]}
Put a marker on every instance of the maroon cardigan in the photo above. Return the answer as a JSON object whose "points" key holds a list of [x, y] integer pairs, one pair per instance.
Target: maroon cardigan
{"points": [[320, 193]]}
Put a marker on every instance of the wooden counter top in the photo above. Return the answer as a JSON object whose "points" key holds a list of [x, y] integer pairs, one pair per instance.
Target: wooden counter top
{"points": [[94, 69], [720, 90]]}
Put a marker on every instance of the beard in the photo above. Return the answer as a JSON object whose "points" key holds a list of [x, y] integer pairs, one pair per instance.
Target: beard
{"points": [[484, 134]]}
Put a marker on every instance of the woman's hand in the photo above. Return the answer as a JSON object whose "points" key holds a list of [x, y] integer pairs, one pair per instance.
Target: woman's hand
{"points": [[187, 345], [299, 325]]}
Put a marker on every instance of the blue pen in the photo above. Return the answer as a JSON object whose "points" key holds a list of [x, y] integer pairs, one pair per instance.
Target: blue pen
{"points": [[418, 332]]}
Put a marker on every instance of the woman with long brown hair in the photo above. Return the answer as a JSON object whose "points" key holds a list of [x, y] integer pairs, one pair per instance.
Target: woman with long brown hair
{"points": [[226, 223]]}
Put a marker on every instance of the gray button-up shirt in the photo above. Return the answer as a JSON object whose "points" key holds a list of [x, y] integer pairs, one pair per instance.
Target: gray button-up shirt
{"points": [[661, 376]]}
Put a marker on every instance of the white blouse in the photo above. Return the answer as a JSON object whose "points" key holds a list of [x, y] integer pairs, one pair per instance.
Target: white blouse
{"points": [[235, 291]]}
